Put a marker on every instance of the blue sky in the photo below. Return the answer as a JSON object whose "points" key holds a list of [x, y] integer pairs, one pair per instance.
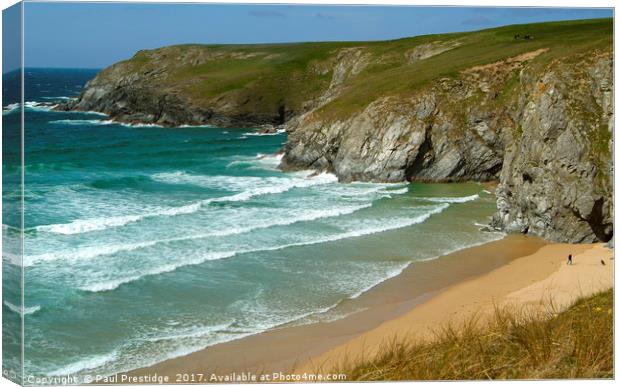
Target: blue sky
{"points": [[11, 26], [96, 35]]}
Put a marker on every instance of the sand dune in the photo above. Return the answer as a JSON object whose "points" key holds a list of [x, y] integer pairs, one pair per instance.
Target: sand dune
{"points": [[537, 280]]}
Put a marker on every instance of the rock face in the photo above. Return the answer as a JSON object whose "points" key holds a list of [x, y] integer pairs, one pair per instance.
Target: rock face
{"points": [[556, 179], [547, 139], [420, 139], [541, 125]]}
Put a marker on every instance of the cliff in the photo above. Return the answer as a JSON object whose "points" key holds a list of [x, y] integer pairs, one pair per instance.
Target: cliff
{"points": [[534, 114]]}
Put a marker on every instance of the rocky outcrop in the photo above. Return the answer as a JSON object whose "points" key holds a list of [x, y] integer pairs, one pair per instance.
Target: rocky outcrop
{"points": [[393, 140], [160, 87], [163, 87], [425, 51], [136, 97], [453, 130], [556, 179], [538, 123], [546, 138]]}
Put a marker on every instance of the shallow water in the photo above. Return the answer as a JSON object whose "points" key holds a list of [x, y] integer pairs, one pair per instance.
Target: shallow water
{"points": [[144, 243]]}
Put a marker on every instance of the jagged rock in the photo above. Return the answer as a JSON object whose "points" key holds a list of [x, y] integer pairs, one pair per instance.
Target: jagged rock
{"points": [[544, 145], [544, 132], [555, 182]]}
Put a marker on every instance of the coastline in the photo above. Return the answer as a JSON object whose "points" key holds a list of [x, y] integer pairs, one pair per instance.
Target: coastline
{"points": [[300, 348], [320, 277]]}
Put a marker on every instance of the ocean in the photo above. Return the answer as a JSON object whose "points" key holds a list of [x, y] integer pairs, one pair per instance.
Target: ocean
{"points": [[144, 243]]}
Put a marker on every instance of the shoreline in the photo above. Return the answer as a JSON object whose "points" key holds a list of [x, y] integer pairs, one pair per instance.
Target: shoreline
{"points": [[517, 285], [295, 347]]}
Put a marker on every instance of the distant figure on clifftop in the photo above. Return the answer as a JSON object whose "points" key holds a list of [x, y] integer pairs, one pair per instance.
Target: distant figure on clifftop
{"points": [[570, 259]]}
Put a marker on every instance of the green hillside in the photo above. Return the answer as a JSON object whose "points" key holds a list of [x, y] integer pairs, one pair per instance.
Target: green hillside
{"points": [[277, 77]]}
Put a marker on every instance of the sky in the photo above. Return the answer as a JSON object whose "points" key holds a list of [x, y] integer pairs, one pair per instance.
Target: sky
{"points": [[95, 35], [11, 27]]}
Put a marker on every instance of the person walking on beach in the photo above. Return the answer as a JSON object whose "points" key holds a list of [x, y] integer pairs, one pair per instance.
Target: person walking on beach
{"points": [[570, 259]]}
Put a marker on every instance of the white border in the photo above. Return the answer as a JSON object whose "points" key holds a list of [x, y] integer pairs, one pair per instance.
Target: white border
{"points": [[485, 3]]}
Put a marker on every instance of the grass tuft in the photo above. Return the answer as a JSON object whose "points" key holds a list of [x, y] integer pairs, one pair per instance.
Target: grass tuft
{"points": [[576, 343]]}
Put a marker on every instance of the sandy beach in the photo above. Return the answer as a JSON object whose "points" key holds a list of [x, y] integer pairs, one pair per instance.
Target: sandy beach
{"points": [[540, 280], [517, 270]]}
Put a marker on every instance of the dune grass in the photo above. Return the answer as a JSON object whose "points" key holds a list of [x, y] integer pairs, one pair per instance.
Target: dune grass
{"points": [[576, 343]]}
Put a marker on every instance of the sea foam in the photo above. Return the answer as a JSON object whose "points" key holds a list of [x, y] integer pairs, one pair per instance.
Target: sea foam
{"points": [[95, 224], [82, 122], [260, 161], [356, 232], [91, 252], [84, 364], [102, 122], [273, 186], [279, 131], [29, 105], [17, 309], [462, 199], [10, 108]]}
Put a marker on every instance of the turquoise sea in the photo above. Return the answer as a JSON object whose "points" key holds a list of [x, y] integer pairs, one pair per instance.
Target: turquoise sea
{"points": [[144, 243]]}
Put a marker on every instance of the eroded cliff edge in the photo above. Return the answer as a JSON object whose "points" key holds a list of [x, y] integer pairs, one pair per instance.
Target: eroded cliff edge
{"points": [[544, 132], [536, 116]]}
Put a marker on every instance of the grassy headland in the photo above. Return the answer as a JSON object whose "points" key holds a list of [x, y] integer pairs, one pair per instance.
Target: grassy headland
{"points": [[280, 78]]}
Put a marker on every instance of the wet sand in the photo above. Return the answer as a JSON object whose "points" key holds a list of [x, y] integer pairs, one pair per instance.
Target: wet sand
{"points": [[302, 348]]}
